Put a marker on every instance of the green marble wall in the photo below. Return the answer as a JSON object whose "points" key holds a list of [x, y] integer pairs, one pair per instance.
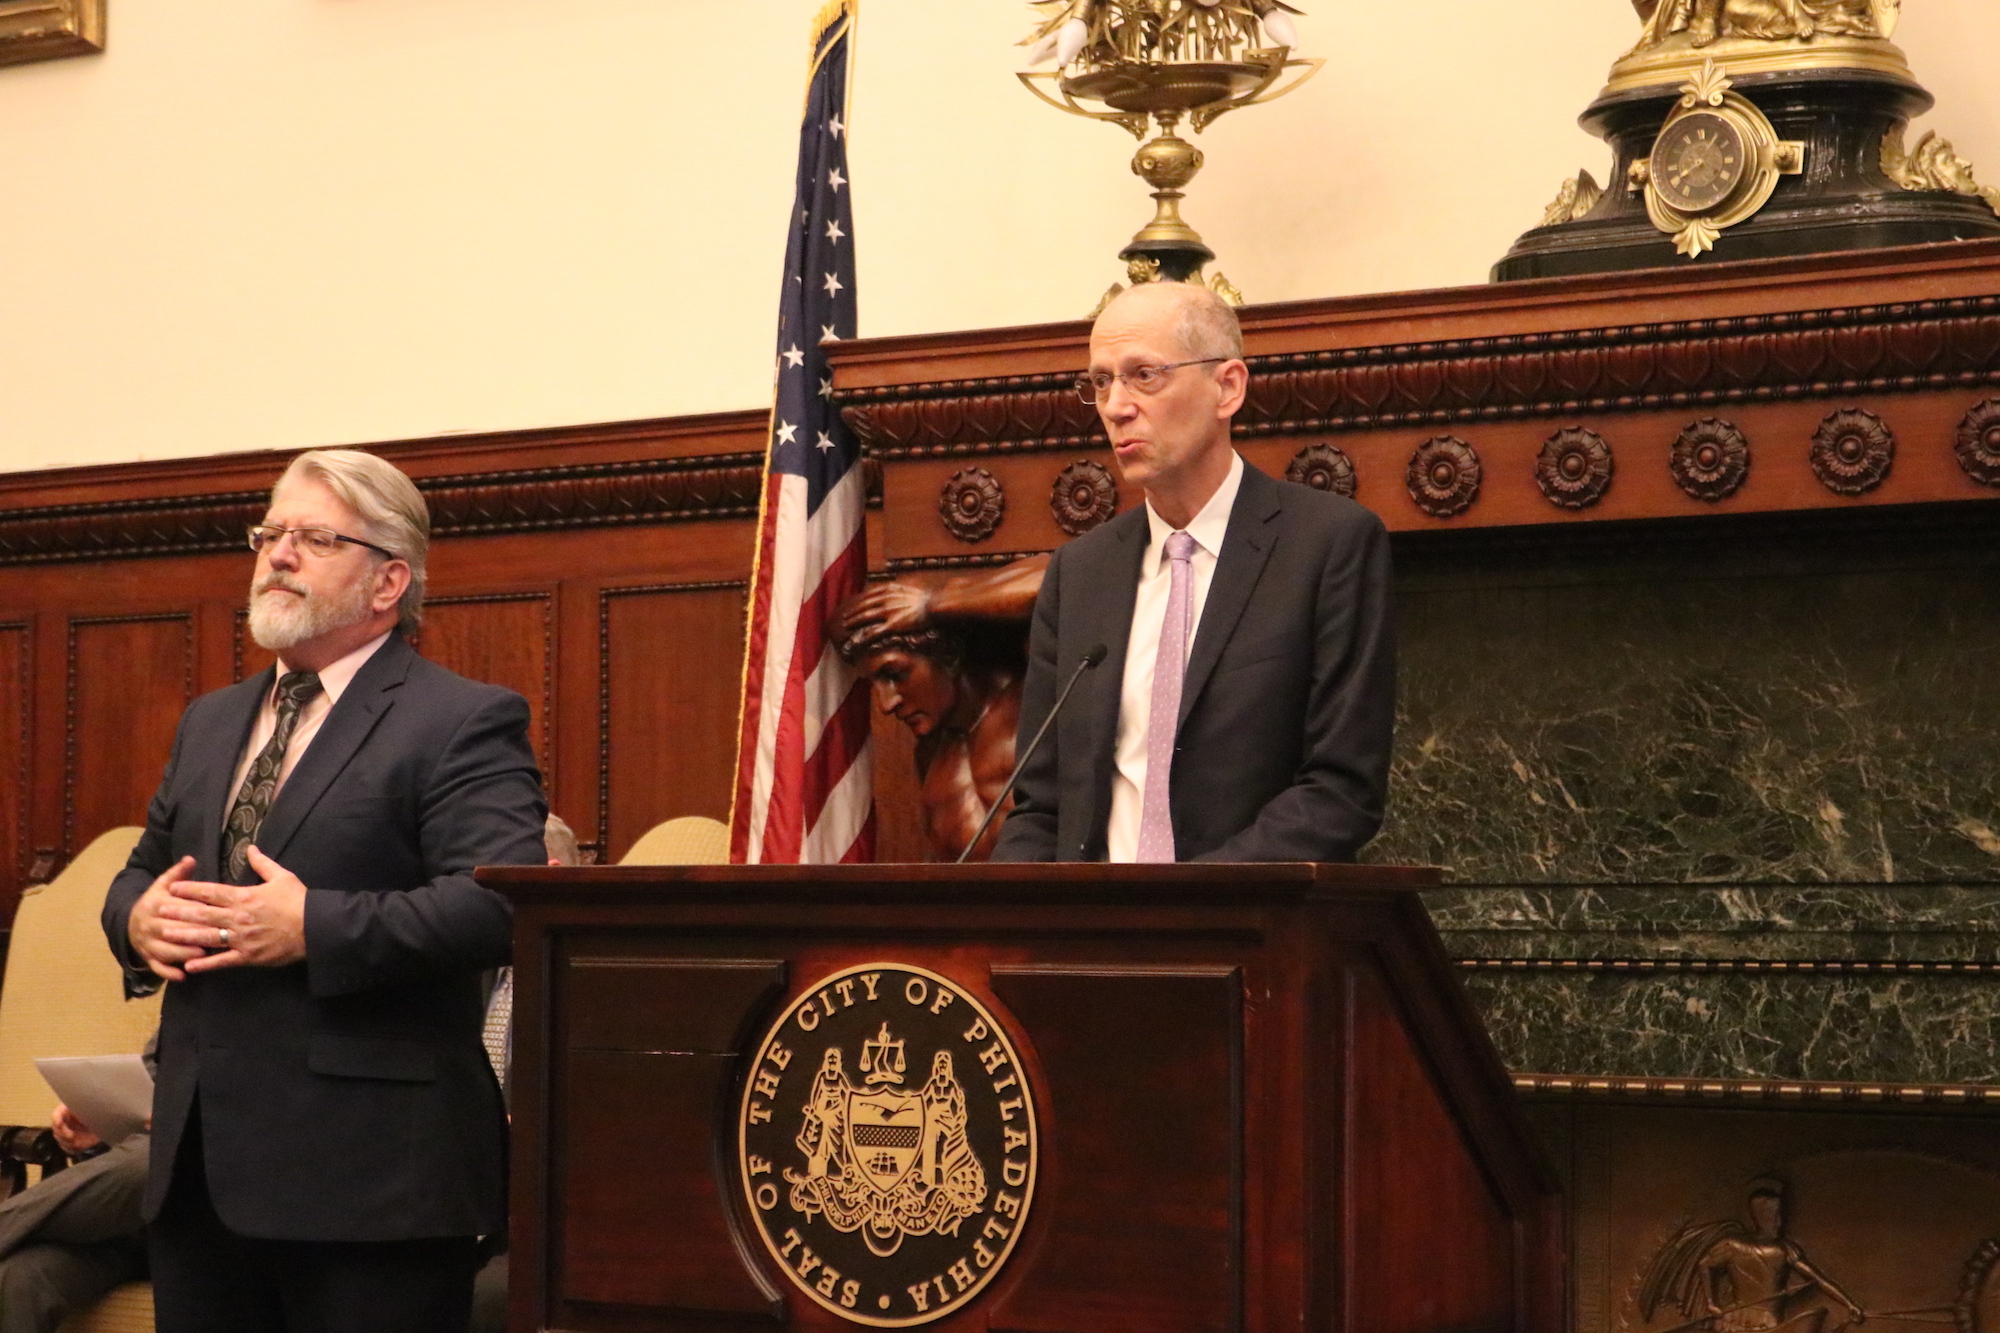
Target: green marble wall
{"points": [[1727, 739]]}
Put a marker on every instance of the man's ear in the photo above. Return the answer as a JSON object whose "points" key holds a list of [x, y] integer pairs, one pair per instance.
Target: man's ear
{"points": [[1233, 379], [392, 579]]}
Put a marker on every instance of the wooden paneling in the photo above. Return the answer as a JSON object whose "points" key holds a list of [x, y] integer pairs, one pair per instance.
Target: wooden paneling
{"points": [[1144, 1229], [655, 1038], [15, 718], [129, 679], [1408, 1162], [672, 661], [505, 639]]}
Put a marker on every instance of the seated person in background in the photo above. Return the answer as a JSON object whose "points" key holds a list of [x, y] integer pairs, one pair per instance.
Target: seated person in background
{"points": [[66, 1242], [1245, 709]]}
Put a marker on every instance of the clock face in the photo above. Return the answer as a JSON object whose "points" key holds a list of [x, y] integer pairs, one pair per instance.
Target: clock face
{"points": [[1698, 161]]}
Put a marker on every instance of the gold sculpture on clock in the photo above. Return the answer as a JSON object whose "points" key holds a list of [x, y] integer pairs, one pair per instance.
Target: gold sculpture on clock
{"points": [[1715, 162]]}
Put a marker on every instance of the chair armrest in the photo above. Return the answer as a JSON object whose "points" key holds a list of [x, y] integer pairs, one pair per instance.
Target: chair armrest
{"points": [[22, 1146]]}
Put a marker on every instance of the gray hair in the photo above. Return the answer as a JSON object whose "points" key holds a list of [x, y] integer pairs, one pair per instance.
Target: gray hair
{"points": [[1204, 324], [391, 509]]}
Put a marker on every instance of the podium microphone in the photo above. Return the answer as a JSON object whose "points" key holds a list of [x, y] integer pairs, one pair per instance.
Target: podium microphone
{"points": [[1090, 660]]}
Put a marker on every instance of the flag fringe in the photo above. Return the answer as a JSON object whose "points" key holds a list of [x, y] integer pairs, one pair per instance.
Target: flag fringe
{"points": [[829, 14]]}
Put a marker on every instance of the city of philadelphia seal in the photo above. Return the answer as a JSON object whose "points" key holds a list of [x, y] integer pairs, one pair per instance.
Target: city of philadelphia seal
{"points": [[887, 1144]]}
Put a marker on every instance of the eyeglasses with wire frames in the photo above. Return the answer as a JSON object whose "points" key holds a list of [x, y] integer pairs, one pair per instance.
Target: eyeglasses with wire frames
{"points": [[1140, 379], [321, 542]]}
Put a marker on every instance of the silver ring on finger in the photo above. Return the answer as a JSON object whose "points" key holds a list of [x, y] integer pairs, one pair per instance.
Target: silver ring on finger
{"points": [[225, 937]]}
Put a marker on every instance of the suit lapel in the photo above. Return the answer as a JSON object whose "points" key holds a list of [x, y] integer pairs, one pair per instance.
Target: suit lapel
{"points": [[1246, 546], [210, 789], [1110, 586], [363, 704]]}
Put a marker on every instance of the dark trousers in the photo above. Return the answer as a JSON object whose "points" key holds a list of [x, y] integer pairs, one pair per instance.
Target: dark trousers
{"points": [[72, 1238], [208, 1279]]}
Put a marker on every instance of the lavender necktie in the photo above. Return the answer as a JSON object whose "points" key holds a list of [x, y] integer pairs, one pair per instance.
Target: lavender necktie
{"points": [[1156, 818]]}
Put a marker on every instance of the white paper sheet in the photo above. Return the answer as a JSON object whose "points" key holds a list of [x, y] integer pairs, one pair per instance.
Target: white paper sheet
{"points": [[113, 1094]]}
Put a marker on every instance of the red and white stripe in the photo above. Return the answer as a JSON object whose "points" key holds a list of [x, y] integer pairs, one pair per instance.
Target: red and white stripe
{"points": [[804, 781]]}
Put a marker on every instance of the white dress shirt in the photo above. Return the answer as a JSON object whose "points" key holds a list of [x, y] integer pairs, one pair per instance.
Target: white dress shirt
{"points": [[1142, 650], [333, 681]]}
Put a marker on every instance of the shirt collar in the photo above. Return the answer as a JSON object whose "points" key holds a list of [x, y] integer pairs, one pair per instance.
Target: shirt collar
{"points": [[1207, 528], [336, 676]]}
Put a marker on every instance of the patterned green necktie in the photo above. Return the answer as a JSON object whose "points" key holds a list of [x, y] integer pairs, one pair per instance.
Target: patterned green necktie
{"points": [[260, 784]]}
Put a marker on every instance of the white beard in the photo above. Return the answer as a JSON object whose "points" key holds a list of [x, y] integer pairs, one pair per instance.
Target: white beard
{"points": [[279, 621]]}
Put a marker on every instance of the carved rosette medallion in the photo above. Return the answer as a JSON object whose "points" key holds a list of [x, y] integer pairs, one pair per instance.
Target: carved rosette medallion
{"points": [[1324, 467], [971, 504], [886, 1144], [1710, 459], [1978, 444], [1574, 468], [1852, 451], [1444, 476], [1083, 497]]}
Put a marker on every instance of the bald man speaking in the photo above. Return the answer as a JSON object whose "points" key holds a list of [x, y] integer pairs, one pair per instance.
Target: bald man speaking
{"points": [[1245, 706]]}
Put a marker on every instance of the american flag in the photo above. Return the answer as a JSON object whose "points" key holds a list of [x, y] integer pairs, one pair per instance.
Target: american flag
{"points": [[804, 789]]}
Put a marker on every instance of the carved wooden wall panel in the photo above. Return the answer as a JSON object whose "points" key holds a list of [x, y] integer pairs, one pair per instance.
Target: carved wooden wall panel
{"points": [[1896, 1212], [505, 638], [16, 716], [672, 660], [129, 679]]}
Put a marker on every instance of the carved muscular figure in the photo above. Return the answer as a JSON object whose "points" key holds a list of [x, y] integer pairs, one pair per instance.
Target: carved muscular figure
{"points": [[945, 656]]}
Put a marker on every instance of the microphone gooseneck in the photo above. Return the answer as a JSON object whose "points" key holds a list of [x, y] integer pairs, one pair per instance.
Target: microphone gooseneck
{"points": [[1089, 662]]}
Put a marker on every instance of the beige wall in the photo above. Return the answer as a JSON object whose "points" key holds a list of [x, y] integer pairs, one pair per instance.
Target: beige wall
{"points": [[272, 223]]}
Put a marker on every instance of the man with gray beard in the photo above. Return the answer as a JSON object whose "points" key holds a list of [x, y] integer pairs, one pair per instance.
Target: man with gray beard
{"points": [[327, 1133]]}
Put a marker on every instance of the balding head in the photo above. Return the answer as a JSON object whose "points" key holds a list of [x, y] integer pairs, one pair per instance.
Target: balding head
{"points": [[1201, 323], [1167, 375]]}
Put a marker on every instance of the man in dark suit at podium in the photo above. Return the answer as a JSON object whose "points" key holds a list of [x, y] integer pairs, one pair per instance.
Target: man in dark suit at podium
{"points": [[328, 1136], [1245, 706]]}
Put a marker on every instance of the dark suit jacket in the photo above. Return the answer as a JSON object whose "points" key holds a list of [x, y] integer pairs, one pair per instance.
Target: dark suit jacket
{"points": [[1287, 707], [348, 1097]]}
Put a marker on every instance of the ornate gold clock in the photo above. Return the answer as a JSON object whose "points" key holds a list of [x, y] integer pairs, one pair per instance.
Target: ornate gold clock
{"points": [[1698, 161], [1715, 163]]}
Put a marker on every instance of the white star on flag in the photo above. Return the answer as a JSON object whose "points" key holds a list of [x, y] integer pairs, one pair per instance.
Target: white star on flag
{"points": [[825, 441], [793, 356], [833, 231], [827, 335], [787, 432], [832, 284], [836, 126], [835, 179], [826, 388]]}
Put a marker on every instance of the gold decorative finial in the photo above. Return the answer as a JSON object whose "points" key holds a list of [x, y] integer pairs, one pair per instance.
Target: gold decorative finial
{"points": [[1158, 63]]}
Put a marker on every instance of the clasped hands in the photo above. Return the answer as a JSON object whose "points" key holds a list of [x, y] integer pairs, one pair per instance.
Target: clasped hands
{"points": [[183, 927]]}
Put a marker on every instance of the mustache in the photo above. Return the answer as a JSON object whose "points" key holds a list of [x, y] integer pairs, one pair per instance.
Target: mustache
{"points": [[278, 579]]}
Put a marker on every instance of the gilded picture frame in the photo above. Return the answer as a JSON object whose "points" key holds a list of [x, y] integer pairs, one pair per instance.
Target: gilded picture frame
{"points": [[49, 29]]}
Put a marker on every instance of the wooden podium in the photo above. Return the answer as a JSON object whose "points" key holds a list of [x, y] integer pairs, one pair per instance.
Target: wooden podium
{"points": [[1053, 1099]]}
